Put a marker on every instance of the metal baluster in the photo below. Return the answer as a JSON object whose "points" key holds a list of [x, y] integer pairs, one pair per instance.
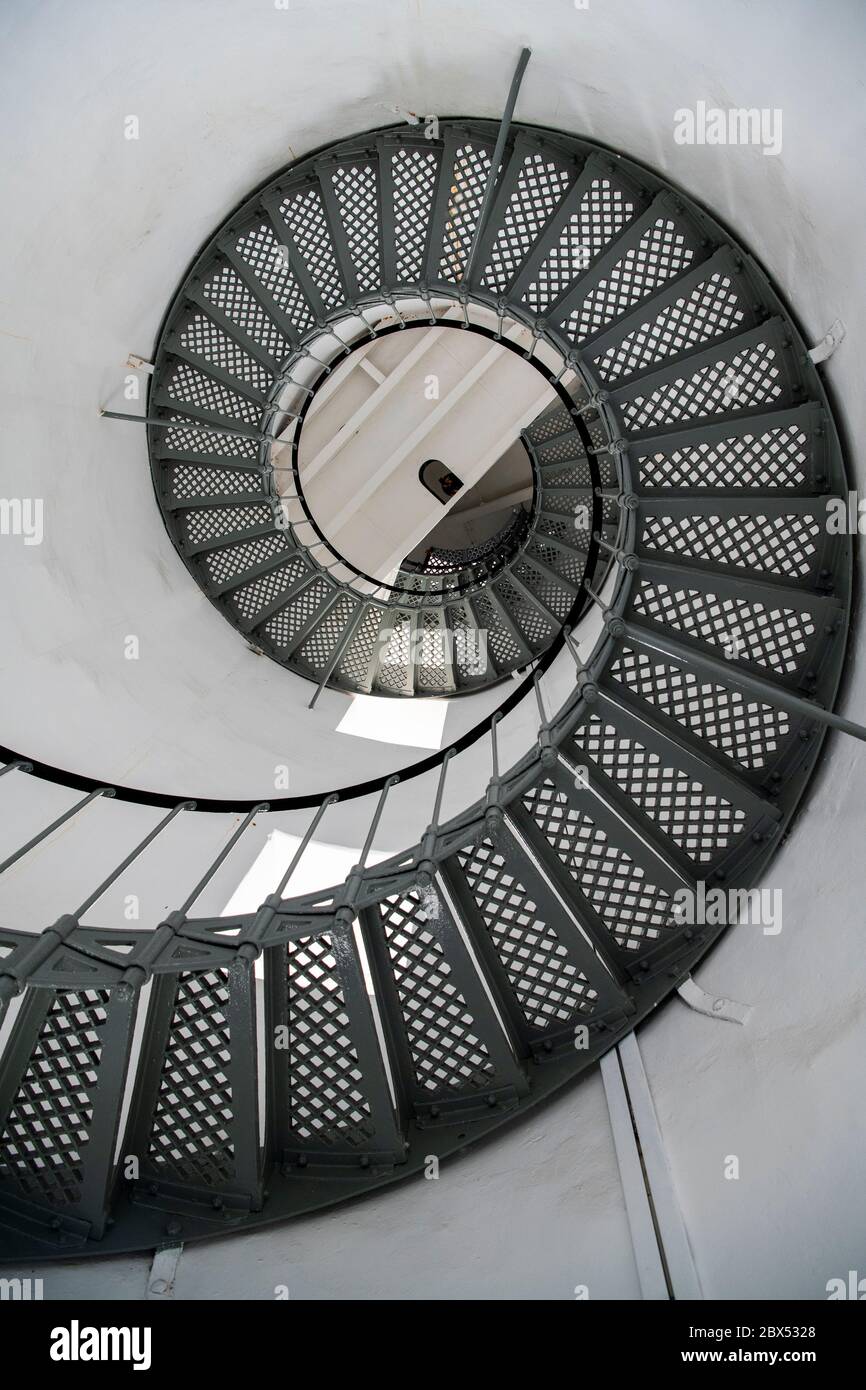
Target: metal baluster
{"points": [[51, 937], [573, 648], [17, 766], [61, 820], [427, 863], [346, 912], [623, 557], [424, 291], [140, 972], [272, 903], [498, 152], [377, 816], [187, 422], [311, 830], [132, 856]]}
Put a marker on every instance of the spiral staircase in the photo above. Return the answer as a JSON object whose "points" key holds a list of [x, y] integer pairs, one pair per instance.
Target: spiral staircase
{"points": [[702, 605]]}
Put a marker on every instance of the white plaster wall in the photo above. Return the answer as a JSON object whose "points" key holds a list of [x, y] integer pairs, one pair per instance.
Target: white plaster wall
{"points": [[97, 231]]}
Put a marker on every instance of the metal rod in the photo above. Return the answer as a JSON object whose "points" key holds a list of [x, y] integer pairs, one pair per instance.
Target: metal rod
{"points": [[437, 804], [133, 855], [606, 545], [372, 331], [541, 710], [305, 352], [374, 826], [188, 422], [202, 884], [536, 334], [391, 301], [495, 744], [745, 681], [596, 600], [573, 648], [18, 766], [569, 364], [498, 151], [311, 830], [340, 648], [49, 829], [425, 295]]}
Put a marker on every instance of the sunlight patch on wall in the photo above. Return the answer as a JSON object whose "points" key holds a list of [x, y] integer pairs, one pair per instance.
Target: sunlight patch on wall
{"points": [[322, 865], [412, 723]]}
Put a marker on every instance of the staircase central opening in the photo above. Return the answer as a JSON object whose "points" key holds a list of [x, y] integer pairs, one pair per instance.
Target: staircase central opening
{"points": [[411, 450]]}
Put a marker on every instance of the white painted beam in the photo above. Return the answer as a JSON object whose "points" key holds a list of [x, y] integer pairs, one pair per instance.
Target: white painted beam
{"points": [[673, 1237], [372, 370], [372, 404], [396, 457], [494, 504], [647, 1255]]}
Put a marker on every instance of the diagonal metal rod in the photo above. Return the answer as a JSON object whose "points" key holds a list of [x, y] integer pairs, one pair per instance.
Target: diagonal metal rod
{"points": [[599, 602], [351, 628], [724, 670], [498, 152], [374, 825], [187, 422], [437, 804], [494, 744], [61, 820], [283, 410], [311, 830], [541, 710], [224, 853], [18, 766], [46, 941], [132, 856], [573, 648]]}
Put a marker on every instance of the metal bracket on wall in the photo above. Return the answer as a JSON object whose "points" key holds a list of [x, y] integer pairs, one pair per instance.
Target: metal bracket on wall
{"points": [[829, 343], [163, 1272], [713, 1005], [429, 121], [139, 364]]}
